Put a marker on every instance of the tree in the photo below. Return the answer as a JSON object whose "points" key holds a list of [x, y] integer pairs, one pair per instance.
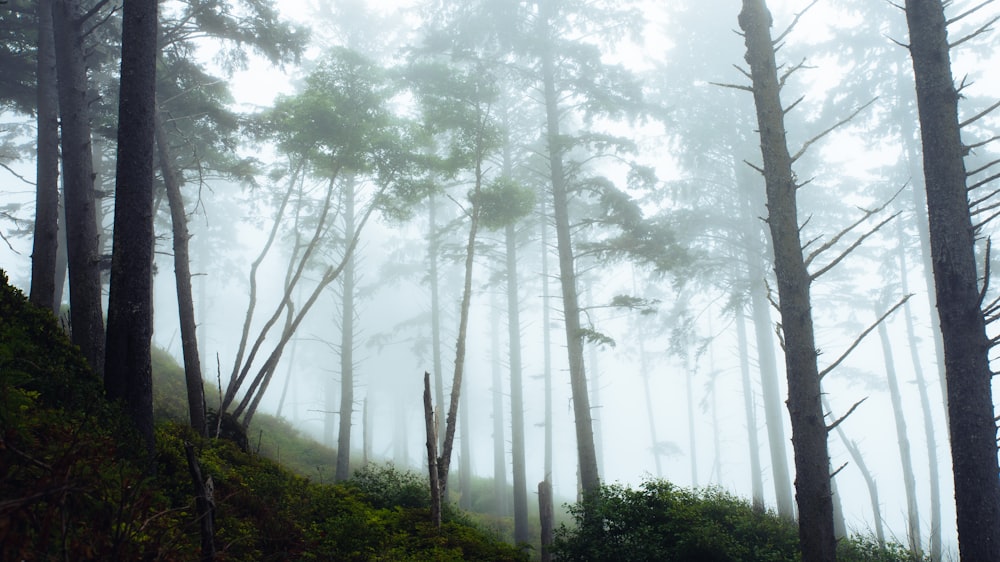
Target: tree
{"points": [[347, 290], [814, 496], [128, 371], [46, 241], [971, 422], [556, 57], [182, 278], [86, 315], [338, 124]]}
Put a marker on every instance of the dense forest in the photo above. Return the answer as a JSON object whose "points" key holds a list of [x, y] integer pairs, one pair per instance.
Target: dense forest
{"points": [[491, 280]]}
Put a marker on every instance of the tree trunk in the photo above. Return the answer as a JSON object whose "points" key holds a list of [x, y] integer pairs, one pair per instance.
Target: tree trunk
{"points": [[859, 461], [546, 517], [750, 410], [182, 277], [767, 362], [543, 226], [902, 437], [465, 455], [500, 497], [46, 237], [430, 430], [463, 325], [433, 252], [966, 346], [692, 439], [346, 341], [521, 534], [925, 407], [590, 480], [204, 504], [128, 372], [86, 315], [809, 432]]}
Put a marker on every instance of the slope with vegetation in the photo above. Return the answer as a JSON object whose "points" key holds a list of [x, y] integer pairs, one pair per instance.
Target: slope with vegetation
{"points": [[74, 486]]}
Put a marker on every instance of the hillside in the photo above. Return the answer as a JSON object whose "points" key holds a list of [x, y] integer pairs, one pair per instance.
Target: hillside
{"points": [[75, 486]]}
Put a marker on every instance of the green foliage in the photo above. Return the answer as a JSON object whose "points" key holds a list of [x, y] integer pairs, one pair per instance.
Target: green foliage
{"points": [[384, 485], [73, 486], [866, 548], [662, 522], [504, 202]]}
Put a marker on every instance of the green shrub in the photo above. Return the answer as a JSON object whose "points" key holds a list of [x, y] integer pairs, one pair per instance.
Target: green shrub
{"points": [[662, 522], [384, 485]]}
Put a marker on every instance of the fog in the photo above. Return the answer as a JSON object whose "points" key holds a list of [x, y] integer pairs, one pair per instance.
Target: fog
{"points": [[685, 340]]}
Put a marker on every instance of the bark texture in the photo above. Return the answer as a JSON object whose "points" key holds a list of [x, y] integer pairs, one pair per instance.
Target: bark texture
{"points": [[46, 240], [83, 239], [952, 237], [809, 432], [128, 372]]}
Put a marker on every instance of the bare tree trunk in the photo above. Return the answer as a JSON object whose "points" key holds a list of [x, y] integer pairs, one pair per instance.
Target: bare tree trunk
{"points": [[86, 315], [546, 334], [545, 514], [590, 480], [430, 423], [46, 237], [128, 371], [182, 277], [902, 438], [809, 432], [966, 346], [347, 341], [750, 408], [204, 504], [433, 252], [465, 455], [767, 362], [925, 407], [692, 439], [463, 325], [521, 534], [859, 461], [500, 496]]}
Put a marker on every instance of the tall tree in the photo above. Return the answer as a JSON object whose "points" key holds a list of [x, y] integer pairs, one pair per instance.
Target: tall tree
{"points": [[46, 241], [347, 312], [971, 422], [128, 371], [86, 315], [182, 280]]}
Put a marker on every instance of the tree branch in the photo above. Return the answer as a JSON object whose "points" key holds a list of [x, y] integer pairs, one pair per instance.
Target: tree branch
{"points": [[982, 29], [841, 419], [968, 12], [836, 126], [732, 86], [849, 249], [983, 168], [859, 339], [792, 25], [981, 114], [983, 182]]}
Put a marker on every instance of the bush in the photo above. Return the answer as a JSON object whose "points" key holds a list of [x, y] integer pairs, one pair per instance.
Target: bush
{"points": [[384, 485], [662, 522]]}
